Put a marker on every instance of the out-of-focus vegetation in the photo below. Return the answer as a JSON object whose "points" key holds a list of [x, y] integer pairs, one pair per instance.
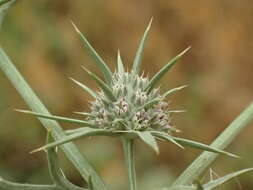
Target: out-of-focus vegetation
{"points": [[39, 38]]}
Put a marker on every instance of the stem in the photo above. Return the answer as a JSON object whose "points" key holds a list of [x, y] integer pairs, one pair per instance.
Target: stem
{"points": [[200, 164], [129, 159], [17, 186], [70, 150], [56, 174]]}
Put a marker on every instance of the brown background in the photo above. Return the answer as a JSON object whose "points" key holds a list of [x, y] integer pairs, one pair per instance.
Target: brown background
{"points": [[39, 38]]}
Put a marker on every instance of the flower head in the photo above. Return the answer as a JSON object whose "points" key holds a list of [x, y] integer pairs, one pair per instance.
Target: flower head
{"points": [[127, 105], [133, 108], [127, 100]]}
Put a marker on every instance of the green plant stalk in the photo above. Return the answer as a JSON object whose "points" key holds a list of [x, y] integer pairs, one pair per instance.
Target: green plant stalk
{"points": [[4, 1], [4, 185], [129, 159], [200, 164], [71, 151], [4, 6]]}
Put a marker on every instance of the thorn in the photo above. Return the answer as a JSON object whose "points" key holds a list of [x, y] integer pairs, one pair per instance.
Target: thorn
{"points": [[183, 52], [75, 27], [86, 70], [37, 150], [22, 111]]}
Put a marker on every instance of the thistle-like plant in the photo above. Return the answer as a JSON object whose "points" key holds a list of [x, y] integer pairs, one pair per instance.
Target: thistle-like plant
{"points": [[129, 106]]}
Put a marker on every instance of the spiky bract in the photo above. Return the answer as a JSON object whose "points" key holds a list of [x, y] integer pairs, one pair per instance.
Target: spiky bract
{"points": [[133, 109]]}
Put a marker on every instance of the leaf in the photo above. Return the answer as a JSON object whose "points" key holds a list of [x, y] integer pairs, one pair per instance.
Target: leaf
{"points": [[148, 138], [58, 118], [53, 165], [167, 138], [106, 89], [3, 2], [176, 111], [84, 133], [4, 6], [138, 56], [201, 164], [148, 104], [173, 90], [215, 183], [90, 184], [87, 89], [180, 187], [212, 184], [120, 64], [201, 146], [84, 114], [155, 79], [98, 60], [151, 103], [80, 162]]}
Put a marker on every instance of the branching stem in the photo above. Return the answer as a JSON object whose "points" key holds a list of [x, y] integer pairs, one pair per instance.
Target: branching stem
{"points": [[4, 184]]}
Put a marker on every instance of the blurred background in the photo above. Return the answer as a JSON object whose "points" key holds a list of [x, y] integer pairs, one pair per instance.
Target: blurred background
{"points": [[38, 37]]}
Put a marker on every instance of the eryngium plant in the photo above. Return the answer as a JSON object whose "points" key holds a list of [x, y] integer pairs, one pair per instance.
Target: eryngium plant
{"points": [[128, 106]]}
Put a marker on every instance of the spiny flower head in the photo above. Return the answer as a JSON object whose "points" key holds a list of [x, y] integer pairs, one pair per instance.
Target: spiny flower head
{"points": [[128, 105], [129, 101], [133, 107]]}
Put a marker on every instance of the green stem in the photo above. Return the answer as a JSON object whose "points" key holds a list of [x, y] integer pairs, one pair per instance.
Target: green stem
{"points": [[3, 2], [129, 159], [200, 164], [55, 171], [6, 185], [71, 151]]}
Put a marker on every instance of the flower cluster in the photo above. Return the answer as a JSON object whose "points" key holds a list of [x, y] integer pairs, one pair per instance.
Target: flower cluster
{"points": [[131, 108]]}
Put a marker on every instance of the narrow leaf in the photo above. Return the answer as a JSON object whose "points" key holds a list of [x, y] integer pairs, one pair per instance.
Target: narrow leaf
{"points": [[151, 103], [215, 183], [87, 89], [90, 184], [201, 146], [80, 162], [58, 118], [176, 111], [55, 171], [167, 138], [148, 138], [120, 64], [138, 56], [212, 184], [107, 90], [53, 165], [155, 79], [81, 134], [148, 104], [84, 114], [180, 187], [4, 1], [203, 162], [173, 90], [4, 6], [71, 131], [98, 60], [7, 185]]}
